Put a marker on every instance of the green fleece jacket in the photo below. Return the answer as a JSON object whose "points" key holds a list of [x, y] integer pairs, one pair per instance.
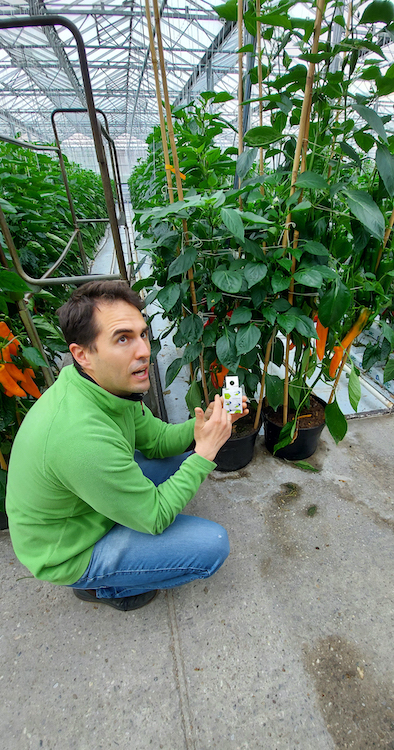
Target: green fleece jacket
{"points": [[72, 475]]}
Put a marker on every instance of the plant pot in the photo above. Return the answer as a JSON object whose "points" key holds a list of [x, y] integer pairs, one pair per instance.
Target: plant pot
{"points": [[3, 520], [304, 445], [238, 451]]}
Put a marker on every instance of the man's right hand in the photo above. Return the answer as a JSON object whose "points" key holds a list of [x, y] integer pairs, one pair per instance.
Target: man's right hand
{"points": [[211, 434]]}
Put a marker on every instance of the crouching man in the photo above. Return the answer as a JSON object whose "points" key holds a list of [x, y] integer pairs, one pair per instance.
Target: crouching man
{"points": [[96, 483]]}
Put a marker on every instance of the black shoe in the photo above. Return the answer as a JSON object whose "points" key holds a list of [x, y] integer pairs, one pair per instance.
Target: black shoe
{"points": [[124, 604]]}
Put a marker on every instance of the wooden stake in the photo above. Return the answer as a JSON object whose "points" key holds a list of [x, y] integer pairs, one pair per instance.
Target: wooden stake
{"points": [[159, 101], [385, 240], [3, 464], [301, 147], [240, 88], [266, 362]]}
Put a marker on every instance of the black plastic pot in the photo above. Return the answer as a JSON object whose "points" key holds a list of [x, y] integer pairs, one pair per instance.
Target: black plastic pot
{"points": [[237, 452], [304, 445], [3, 521]]}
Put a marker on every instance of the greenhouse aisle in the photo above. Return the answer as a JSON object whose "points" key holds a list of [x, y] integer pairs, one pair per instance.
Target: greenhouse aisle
{"points": [[288, 646]]}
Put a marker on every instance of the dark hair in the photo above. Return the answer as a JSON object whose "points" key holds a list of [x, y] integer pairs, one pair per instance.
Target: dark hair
{"points": [[76, 316]]}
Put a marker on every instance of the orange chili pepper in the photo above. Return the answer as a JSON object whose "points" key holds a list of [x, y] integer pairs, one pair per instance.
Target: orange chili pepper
{"points": [[6, 333], [321, 341], [217, 376], [9, 384], [349, 338], [29, 384]]}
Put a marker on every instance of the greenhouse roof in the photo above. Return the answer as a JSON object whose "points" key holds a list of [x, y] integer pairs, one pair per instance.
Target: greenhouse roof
{"points": [[40, 69]]}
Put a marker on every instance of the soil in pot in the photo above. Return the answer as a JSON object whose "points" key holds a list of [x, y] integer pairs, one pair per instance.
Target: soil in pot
{"points": [[239, 449], [310, 425]]}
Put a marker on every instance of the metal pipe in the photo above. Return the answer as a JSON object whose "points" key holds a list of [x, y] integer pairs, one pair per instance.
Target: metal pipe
{"points": [[53, 20], [69, 198]]}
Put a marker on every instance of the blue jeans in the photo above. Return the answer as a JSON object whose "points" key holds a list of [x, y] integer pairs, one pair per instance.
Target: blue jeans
{"points": [[127, 562]]}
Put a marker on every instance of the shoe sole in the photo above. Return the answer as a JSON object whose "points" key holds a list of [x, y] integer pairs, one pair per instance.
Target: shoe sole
{"points": [[124, 604]]}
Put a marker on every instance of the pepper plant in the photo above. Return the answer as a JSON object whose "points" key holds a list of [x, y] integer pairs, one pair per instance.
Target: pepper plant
{"points": [[293, 264]]}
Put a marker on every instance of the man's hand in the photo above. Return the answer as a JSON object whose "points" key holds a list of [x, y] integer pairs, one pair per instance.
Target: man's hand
{"points": [[234, 417], [212, 431]]}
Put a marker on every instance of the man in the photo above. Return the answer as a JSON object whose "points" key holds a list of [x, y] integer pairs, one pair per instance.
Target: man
{"points": [[96, 483]]}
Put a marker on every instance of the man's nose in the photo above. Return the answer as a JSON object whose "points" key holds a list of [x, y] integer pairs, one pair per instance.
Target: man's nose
{"points": [[143, 350]]}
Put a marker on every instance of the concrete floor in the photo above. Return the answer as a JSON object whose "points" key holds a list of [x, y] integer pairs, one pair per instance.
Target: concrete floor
{"points": [[289, 645]]}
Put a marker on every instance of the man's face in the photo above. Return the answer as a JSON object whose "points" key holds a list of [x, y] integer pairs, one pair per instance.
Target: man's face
{"points": [[120, 361]]}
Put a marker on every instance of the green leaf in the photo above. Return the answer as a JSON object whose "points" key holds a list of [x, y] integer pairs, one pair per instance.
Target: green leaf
{"points": [[245, 161], [183, 262], [255, 272], [11, 282], [247, 338], [33, 356], [305, 466], [191, 328], [169, 296], [143, 284], [57, 239], [279, 282], [228, 10], [354, 388], [379, 11], [334, 304], [305, 327], [226, 350], [227, 281], [172, 371], [374, 121], [240, 315], [274, 390], [335, 421], [372, 354], [364, 140], [223, 96], [262, 136], [366, 211], [315, 248], [232, 220], [312, 180], [385, 167], [193, 397], [7, 207], [287, 322], [191, 352], [350, 152], [388, 373], [285, 436], [388, 333], [309, 277], [256, 218]]}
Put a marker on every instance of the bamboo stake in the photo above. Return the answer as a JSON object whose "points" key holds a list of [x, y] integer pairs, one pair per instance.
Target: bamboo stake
{"points": [[240, 87], [385, 240], [266, 362], [159, 102], [175, 159], [301, 146], [260, 83], [3, 464], [344, 358]]}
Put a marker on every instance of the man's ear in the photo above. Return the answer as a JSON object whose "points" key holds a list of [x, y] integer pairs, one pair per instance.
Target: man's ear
{"points": [[80, 354]]}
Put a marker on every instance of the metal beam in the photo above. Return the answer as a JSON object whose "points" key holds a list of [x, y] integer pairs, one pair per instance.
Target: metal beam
{"points": [[202, 67], [37, 8]]}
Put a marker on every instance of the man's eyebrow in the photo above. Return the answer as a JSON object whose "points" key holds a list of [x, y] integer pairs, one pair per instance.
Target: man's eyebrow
{"points": [[121, 331]]}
